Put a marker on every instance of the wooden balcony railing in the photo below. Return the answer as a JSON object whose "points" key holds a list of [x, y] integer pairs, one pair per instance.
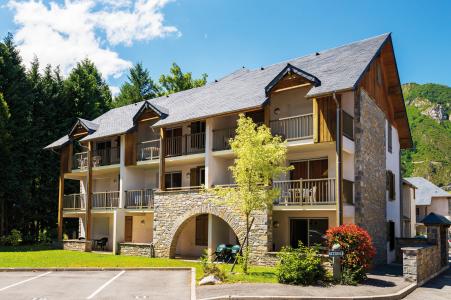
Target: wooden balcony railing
{"points": [[221, 138], [105, 157], [105, 199], [80, 161], [306, 192], [149, 150], [293, 128], [185, 145], [74, 202], [139, 199]]}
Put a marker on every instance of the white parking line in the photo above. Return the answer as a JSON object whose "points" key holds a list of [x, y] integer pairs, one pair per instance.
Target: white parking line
{"points": [[105, 285], [23, 281]]}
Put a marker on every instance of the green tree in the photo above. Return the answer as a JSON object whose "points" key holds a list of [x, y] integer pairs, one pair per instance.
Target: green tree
{"points": [[139, 87], [260, 157], [4, 157], [177, 81], [89, 94]]}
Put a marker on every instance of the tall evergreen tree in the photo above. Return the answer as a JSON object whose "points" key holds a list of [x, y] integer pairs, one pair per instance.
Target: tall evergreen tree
{"points": [[139, 87], [177, 81], [4, 158], [89, 94]]}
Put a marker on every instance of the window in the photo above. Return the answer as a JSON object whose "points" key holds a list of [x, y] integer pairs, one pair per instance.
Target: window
{"points": [[197, 176], [309, 169], [389, 137], [309, 231], [348, 191], [202, 230], [391, 185], [173, 179], [348, 126]]}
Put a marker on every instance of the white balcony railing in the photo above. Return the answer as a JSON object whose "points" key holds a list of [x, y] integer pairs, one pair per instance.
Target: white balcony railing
{"points": [[74, 202], [105, 199], [139, 199], [293, 128], [148, 150], [306, 192]]}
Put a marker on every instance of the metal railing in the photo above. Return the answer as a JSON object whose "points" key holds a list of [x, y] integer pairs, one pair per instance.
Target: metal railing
{"points": [[293, 128], [74, 202], [348, 126], [105, 199], [306, 191], [139, 199], [185, 144], [221, 138], [105, 157], [80, 161], [148, 150]]}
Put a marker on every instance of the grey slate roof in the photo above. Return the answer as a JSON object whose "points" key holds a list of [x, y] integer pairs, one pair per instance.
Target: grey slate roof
{"points": [[338, 69], [90, 125], [435, 219], [426, 190]]}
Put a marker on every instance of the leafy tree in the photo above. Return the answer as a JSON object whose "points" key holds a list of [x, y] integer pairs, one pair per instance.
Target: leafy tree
{"points": [[260, 157], [178, 81], [4, 157], [89, 94], [139, 87]]}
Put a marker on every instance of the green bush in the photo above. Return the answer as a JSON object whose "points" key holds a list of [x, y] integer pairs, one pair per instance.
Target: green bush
{"points": [[209, 268], [13, 239], [299, 266]]}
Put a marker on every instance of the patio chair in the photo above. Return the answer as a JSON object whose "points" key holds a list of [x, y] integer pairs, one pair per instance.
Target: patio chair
{"points": [[233, 252], [220, 252], [102, 243]]}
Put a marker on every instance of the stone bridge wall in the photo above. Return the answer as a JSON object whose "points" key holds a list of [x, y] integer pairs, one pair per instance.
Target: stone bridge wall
{"points": [[172, 210]]}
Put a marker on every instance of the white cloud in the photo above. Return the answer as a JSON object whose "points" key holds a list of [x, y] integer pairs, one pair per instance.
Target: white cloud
{"points": [[63, 34], [114, 90]]}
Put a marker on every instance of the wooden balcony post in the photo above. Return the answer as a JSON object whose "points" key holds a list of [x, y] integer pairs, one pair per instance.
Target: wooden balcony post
{"points": [[339, 159], [266, 114], [89, 194], [162, 159], [60, 205], [315, 120]]}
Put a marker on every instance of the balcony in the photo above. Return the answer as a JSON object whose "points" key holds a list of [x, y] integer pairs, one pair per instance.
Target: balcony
{"points": [[80, 161], [74, 202], [221, 138], [306, 192], [149, 150], [139, 199], [185, 145], [293, 128], [105, 200], [105, 157]]}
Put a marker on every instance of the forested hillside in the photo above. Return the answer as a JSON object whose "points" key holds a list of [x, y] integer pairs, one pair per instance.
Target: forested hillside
{"points": [[429, 108]]}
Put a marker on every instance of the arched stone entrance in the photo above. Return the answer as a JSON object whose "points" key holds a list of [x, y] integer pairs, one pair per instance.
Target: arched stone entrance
{"points": [[175, 208]]}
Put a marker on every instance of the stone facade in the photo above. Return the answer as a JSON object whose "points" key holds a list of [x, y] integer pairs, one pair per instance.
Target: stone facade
{"points": [[370, 173], [77, 245], [173, 209], [421, 263], [408, 242], [136, 249]]}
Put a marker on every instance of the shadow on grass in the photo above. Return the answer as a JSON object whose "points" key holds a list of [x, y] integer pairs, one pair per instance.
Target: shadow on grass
{"points": [[26, 248]]}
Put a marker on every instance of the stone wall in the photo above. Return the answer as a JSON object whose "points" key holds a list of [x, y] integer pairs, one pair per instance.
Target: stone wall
{"points": [[136, 249], [77, 245], [370, 173], [174, 208], [421, 263], [408, 242]]}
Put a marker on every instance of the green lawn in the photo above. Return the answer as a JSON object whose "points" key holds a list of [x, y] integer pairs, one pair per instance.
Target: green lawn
{"points": [[43, 257]]}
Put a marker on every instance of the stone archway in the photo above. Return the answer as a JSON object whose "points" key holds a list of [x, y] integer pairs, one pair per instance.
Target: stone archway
{"points": [[227, 216]]}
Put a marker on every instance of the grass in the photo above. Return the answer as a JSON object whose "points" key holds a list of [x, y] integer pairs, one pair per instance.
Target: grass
{"points": [[44, 257]]}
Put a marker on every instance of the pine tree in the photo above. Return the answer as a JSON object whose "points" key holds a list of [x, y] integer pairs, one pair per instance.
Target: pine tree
{"points": [[178, 81], [4, 158]]}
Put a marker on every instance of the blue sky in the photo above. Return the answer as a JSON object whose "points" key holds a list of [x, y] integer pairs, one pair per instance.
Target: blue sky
{"points": [[217, 37]]}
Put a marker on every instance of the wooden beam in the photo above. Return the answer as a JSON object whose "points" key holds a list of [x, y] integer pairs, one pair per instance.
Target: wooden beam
{"points": [[89, 194], [394, 90], [315, 120], [162, 167], [266, 114]]}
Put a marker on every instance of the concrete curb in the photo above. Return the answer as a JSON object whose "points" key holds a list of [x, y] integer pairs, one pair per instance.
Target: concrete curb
{"points": [[98, 269], [395, 296]]}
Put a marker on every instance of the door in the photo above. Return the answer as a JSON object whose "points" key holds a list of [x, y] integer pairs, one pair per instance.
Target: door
{"points": [[298, 232], [317, 230], [128, 229], [197, 140], [173, 141], [300, 170]]}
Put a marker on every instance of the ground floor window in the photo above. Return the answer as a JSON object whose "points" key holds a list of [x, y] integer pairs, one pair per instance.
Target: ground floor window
{"points": [[202, 230], [309, 231], [173, 179]]}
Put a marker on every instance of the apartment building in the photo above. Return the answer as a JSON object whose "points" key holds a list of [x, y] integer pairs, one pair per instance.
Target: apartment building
{"points": [[140, 166]]}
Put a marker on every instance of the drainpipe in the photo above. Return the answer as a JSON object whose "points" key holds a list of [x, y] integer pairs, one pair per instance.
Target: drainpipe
{"points": [[339, 160]]}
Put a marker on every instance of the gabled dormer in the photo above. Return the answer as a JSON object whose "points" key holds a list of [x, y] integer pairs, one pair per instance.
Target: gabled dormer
{"points": [[82, 128], [290, 77]]}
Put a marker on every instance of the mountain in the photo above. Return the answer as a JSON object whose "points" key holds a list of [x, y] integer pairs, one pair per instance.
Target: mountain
{"points": [[429, 110]]}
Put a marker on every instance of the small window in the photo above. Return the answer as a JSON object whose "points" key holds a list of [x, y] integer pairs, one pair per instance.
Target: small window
{"points": [[348, 191], [202, 230], [173, 179], [391, 185], [391, 234], [389, 137]]}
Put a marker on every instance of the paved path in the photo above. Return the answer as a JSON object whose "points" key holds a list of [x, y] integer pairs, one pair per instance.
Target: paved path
{"points": [[437, 289], [115, 284]]}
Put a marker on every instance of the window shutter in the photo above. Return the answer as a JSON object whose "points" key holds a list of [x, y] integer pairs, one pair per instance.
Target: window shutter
{"points": [[202, 230]]}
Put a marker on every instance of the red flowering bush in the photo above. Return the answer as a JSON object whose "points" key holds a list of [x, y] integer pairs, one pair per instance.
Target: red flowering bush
{"points": [[358, 251]]}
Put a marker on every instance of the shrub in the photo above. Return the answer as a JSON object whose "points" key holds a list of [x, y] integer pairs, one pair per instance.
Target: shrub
{"points": [[210, 268], [299, 266], [358, 251], [13, 239]]}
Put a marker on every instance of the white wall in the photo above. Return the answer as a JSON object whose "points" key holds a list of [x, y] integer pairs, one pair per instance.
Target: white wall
{"points": [[185, 169], [142, 228], [393, 206], [290, 103], [102, 226], [347, 103], [186, 243]]}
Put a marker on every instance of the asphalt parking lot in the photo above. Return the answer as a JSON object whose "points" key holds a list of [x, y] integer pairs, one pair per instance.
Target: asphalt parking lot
{"points": [[111, 284]]}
